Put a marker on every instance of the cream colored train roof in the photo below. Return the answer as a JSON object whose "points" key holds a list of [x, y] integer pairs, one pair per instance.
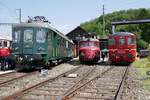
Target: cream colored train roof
{"points": [[41, 24], [5, 38]]}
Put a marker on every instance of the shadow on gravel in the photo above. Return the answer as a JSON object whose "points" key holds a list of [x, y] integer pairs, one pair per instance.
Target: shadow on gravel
{"points": [[74, 62], [27, 70]]}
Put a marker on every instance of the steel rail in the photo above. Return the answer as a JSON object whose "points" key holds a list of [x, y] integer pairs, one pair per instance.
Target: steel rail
{"points": [[120, 88], [80, 80], [71, 93], [17, 78]]}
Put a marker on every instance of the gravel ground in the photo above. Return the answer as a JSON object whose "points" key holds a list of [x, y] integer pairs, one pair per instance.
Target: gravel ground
{"points": [[133, 89], [36, 78]]}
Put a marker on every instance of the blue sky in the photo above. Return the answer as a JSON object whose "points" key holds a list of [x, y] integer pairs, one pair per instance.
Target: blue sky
{"points": [[64, 14]]}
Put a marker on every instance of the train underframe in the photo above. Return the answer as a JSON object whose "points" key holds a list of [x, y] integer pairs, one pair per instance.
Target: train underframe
{"points": [[27, 62]]}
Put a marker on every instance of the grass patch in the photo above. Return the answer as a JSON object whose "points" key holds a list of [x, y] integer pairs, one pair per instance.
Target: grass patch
{"points": [[143, 66]]}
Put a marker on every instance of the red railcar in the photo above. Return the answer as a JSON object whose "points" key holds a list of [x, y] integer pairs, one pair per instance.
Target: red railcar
{"points": [[4, 53], [122, 47], [89, 50]]}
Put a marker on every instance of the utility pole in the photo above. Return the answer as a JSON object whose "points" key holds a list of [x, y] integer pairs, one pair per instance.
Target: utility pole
{"points": [[103, 20], [19, 14]]}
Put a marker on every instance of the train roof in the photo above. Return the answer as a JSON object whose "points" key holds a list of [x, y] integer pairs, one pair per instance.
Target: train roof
{"points": [[90, 39], [122, 34], [5, 38], [43, 25]]}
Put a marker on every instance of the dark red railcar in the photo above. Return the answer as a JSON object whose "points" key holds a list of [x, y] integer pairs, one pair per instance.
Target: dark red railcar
{"points": [[89, 50], [122, 47], [4, 53]]}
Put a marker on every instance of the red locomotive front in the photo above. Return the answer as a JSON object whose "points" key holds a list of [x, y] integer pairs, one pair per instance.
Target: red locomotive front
{"points": [[89, 50], [122, 47], [4, 53]]}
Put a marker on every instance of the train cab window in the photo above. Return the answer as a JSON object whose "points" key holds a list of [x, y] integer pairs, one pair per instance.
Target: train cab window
{"points": [[1, 43], [131, 40], [16, 37], [121, 41], [5, 43], [28, 35], [83, 44], [93, 44], [111, 41], [41, 35]]}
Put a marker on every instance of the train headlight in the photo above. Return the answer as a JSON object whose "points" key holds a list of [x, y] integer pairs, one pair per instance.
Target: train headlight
{"points": [[31, 59]]}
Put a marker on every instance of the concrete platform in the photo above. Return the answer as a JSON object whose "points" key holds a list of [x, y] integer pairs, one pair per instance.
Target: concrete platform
{"points": [[7, 71]]}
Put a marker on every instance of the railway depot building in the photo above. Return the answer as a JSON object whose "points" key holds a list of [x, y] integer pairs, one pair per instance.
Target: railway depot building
{"points": [[76, 35]]}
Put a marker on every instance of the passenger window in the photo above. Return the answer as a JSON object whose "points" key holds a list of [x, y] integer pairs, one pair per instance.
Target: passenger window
{"points": [[66, 44], [16, 37], [1, 43], [131, 41], [28, 35], [41, 35], [121, 41]]}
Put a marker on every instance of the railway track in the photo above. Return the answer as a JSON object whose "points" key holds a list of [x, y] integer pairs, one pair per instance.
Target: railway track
{"points": [[55, 88], [15, 90], [7, 77], [105, 86], [92, 83]]}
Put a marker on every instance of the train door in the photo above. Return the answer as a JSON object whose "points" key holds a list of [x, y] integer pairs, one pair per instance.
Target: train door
{"points": [[50, 44], [40, 44], [28, 40], [17, 40]]}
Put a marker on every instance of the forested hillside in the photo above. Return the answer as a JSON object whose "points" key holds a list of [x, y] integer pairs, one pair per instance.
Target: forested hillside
{"points": [[142, 31]]}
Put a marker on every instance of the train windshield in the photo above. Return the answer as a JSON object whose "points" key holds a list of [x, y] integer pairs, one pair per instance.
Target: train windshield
{"points": [[122, 41], [131, 41], [16, 37], [28, 35], [41, 35], [3, 43], [84, 44]]}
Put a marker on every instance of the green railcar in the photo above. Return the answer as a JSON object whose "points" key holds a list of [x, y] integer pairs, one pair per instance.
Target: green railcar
{"points": [[36, 44]]}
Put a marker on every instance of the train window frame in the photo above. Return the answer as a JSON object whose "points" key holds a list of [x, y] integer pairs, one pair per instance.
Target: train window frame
{"points": [[5, 44], [17, 35], [42, 37], [67, 44], [121, 41], [1, 43], [83, 44], [111, 42], [28, 35], [131, 40]]}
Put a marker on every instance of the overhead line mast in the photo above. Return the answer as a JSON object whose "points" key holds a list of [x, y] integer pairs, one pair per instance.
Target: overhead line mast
{"points": [[103, 22]]}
